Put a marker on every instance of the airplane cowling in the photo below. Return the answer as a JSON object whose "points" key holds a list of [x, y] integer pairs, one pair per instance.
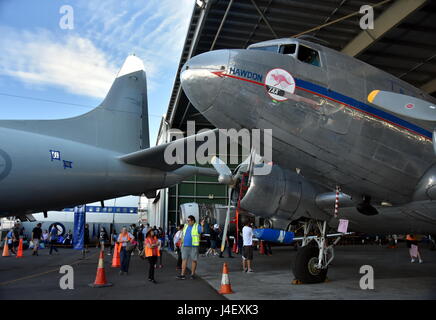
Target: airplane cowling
{"points": [[281, 194], [426, 187]]}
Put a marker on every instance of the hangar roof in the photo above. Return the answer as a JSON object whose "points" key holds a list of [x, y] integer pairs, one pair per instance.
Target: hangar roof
{"points": [[402, 42]]}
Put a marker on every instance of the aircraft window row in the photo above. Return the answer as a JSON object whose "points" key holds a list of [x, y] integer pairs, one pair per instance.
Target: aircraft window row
{"points": [[305, 54]]}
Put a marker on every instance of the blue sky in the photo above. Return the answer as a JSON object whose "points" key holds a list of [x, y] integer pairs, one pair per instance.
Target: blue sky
{"points": [[40, 60]]}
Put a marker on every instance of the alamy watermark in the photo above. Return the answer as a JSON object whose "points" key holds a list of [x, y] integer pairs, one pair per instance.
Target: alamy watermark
{"points": [[67, 19], [200, 147], [367, 20], [367, 280], [67, 280]]}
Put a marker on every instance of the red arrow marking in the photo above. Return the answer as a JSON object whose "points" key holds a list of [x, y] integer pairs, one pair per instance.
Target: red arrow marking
{"points": [[223, 74], [219, 73]]}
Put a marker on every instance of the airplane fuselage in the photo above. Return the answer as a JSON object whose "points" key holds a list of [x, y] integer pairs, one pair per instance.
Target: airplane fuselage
{"points": [[39, 173], [326, 128]]}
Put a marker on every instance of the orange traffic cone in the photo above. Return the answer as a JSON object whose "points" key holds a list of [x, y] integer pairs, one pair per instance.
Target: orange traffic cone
{"points": [[20, 249], [262, 248], [100, 279], [6, 249], [226, 288], [116, 257]]}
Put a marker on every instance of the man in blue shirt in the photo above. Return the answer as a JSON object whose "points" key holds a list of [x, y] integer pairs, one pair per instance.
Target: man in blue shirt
{"points": [[190, 245], [53, 239]]}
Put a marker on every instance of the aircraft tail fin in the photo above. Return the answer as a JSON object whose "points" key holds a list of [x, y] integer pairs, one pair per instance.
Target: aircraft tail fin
{"points": [[119, 123]]}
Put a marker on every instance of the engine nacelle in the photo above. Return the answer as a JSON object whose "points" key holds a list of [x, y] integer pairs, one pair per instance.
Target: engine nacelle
{"points": [[282, 194], [426, 187]]}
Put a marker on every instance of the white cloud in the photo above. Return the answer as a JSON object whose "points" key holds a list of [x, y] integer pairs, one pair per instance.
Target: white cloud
{"points": [[155, 30], [86, 60], [72, 63]]}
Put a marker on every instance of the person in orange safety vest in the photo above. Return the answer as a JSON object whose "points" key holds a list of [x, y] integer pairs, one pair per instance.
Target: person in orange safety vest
{"points": [[151, 247]]}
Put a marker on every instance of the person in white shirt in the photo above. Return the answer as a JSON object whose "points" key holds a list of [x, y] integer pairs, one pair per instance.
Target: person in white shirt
{"points": [[247, 249], [177, 244]]}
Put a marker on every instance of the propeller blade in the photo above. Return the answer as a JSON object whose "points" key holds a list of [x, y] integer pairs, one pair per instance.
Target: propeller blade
{"points": [[226, 225], [225, 174], [404, 105]]}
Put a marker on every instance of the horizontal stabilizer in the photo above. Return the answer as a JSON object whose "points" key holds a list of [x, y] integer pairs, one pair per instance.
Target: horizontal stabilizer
{"points": [[404, 105], [162, 156]]}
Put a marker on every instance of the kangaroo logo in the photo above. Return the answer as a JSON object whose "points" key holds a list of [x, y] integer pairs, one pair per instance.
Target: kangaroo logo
{"points": [[279, 84], [280, 78]]}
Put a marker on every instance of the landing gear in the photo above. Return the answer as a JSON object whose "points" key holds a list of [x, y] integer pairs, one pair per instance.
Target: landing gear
{"points": [[306, 266], [313, 258]]}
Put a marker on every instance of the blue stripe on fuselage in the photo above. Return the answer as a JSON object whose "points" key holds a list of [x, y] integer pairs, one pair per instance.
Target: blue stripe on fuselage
{"points": [[362, 106]]}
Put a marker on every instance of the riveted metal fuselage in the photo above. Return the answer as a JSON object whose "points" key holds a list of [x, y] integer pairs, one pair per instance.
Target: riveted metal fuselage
{"points": [[326, 128], [339, 139]]}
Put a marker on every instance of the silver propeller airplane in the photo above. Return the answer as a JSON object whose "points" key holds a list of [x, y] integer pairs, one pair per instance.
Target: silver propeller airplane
{"points": [[326, 135], [103, 154]]}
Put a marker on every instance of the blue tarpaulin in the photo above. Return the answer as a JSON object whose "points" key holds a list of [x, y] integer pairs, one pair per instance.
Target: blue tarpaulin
{"points": [[79, 227], [274, 235]]}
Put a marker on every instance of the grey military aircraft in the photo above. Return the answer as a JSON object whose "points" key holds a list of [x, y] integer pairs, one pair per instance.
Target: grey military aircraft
{"points": [[103, 154], [326, 135]]}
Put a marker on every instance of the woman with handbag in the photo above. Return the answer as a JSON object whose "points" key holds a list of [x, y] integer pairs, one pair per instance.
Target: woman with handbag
{"points": [[151, 248], [125, 240]]}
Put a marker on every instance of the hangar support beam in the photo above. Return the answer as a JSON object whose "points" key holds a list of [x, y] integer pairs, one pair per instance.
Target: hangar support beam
{"points": [[264, 19], [199, 28], [221, 25], [429, 87], [396, 13]]}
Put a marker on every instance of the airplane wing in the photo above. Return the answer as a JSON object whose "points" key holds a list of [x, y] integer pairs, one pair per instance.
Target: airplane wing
{"points": [[408, 106], [404, 105], [161, 157]]}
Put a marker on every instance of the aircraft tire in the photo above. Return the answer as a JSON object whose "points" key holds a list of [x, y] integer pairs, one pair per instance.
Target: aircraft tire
{"points": [[304, 270]]}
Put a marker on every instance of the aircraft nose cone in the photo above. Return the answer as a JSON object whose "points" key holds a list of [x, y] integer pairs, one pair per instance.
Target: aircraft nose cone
{"points": [[202, 77]]}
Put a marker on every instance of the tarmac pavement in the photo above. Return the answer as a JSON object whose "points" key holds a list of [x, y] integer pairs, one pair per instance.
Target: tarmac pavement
{"points": [[395, 277], [37, 277]]}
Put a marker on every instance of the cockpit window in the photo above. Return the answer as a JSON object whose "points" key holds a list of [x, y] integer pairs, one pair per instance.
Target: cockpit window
{"points": [[288, 48], [267, 48], [308, 55]]}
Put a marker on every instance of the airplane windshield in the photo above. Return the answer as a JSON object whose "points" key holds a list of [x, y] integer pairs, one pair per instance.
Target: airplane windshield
{"points": [[267, 48], [288, 48]]}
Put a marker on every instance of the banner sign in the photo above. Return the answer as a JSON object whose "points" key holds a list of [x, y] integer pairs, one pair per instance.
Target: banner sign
{"points": [[79, 227]]}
